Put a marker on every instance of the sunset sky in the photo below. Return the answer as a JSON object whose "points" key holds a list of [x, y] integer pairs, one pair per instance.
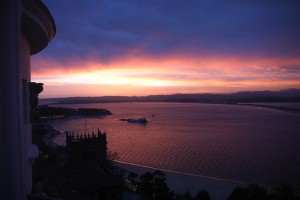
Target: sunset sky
{"points": [[139, 47]]}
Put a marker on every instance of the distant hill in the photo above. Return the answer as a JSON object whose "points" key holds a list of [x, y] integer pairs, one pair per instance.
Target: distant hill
{"points": [[289, 95]]}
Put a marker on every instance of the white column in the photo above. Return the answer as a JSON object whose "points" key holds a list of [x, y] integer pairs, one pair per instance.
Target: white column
{"points": [[12, 174]]}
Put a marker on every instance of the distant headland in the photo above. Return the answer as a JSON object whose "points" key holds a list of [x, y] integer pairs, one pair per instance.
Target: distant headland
{"points": [[289, 95], [47, 112]]}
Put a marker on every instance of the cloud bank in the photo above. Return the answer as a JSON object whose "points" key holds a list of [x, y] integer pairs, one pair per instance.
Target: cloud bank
{"points": [[246, 37]]}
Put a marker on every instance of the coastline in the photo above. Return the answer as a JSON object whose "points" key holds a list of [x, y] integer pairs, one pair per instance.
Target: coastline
{"points": [[269, 107], [180, 183]]}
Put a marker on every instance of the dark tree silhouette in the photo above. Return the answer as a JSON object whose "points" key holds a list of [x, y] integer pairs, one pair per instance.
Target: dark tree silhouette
{"points": [[154, 186], [251, 192], [238, 193], [202, 195], [132, 176], [146, 183], [283, 192], [161, 190], [185, 196]]}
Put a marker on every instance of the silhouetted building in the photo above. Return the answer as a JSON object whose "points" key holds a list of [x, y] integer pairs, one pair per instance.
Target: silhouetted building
{"points": [[26, 28], [84, 175], [87, 146]]}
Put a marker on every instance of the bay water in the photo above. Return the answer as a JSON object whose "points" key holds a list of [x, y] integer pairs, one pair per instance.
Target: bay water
{"points": [[228, 142]]}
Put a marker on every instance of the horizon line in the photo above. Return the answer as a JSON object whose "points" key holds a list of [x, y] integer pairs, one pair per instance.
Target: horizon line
{"points": [[216, 93]]}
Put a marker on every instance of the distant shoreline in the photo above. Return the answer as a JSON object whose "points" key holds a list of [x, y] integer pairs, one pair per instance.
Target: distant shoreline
{"points": [[48, 113], [254, 104], [288, 95], [276, 108]]}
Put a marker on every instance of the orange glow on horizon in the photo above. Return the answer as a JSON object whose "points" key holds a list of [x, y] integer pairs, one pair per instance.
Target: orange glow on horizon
{"points": [[145, 76]]}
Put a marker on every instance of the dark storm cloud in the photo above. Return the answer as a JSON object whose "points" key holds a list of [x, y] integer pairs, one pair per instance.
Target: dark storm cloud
{"points": [[107, 30]]}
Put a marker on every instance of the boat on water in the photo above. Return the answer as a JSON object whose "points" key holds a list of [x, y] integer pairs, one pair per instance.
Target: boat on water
{"points": [[141, 120]]}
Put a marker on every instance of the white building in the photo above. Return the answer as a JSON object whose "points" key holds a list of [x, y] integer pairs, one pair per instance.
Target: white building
{"points": [[26, 28]]}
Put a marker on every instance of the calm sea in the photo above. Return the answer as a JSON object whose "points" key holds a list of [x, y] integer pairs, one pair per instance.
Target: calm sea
{"points": [[247, 144]]}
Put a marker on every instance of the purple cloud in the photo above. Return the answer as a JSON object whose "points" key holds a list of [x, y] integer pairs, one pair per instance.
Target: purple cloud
{"points": [[106, 30]]}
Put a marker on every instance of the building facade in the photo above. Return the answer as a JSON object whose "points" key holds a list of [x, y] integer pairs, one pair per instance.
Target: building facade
{"points": [[26, 28]]}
